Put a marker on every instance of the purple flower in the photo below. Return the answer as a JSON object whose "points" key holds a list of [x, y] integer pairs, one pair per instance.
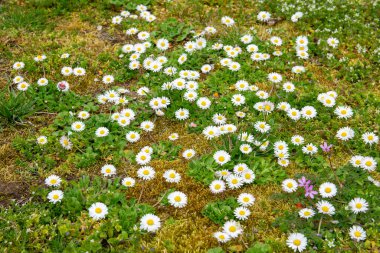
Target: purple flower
{"points": [[303, 182], [325, 147], [309, 192]]}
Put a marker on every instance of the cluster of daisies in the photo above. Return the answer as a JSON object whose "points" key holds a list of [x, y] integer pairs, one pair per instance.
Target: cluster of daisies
{"points": [[66, 71], [327, 190], [143, 13], [232, 229], [187, 82]]}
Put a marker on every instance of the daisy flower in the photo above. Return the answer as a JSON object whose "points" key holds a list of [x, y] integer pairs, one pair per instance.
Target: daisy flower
{"points": [[173, 136], [211, 132], [308, 112], [328, 101], [39, 58], [177, 199], [277, 41], [222, 237], [310, 149], [143, 158], [274, 77], [245, 148], [368, 163], [132, 136], [101, 132], [42, 140], [232, 228], [98, 211], [210, 30], [357, 233], [238, 99], [128, 182], [188, 154], [116, 20], [222, 174], [171, 176], [370, 138], [234, 181], [18, 65], [246, 39], [79, 71], [356, 161], [283, 106], [65, 142], [83, 115], [288, 87], [150, 223], [325, 207], [345, 133], [182, 114], [298, 69], [297, 140], [294, 114], [42, 82], [18, 79], [227, 21], [327, 190], [306, 213], [53, 180], [55, 196], [219, 119], [302, 41], [78, 126], [246, 199], [297, 242], [358, 205], [217, 186], [242, 213], [107, 79], [332, 42], [147, 126], [108, 170], [221, 157], [262, 126], [343, 112], [146, 173], [66, 71], [23, 86], [263, 16], [203, 103], [289, 185], [234, 66]]}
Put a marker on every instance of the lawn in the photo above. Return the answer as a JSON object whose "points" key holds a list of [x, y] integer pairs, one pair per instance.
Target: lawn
{"points": [[189, 126]]}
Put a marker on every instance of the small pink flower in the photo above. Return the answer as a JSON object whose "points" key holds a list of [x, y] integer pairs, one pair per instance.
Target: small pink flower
{"points": [[192, 124]]}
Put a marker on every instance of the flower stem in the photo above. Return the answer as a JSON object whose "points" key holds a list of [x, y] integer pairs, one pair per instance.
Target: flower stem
{"points": [[319, 225]]}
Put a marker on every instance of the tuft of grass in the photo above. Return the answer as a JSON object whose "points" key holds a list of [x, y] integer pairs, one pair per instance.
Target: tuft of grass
{"points": [[14, 108]]}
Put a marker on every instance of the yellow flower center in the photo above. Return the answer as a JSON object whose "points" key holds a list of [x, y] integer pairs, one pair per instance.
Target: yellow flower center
{"points": [[177, 199], [98, 210], [232, 229], [150, 222], [297, 242]]}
